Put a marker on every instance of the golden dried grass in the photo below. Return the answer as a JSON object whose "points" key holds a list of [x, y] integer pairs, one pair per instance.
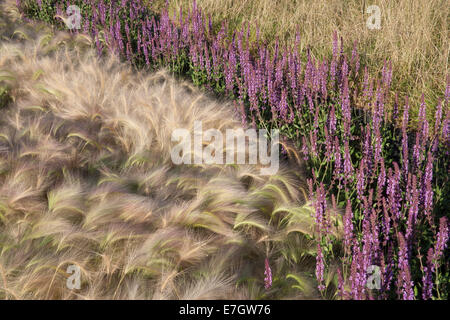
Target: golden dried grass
{"points": [[86, 179]]}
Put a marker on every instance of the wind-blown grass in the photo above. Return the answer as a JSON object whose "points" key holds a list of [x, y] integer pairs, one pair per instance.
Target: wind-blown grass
{"points": [[360, 153], [86, 179]]}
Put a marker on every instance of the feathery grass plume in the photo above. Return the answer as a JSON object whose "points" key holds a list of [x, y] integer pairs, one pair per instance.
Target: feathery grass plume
{"points": [[87, 181]]}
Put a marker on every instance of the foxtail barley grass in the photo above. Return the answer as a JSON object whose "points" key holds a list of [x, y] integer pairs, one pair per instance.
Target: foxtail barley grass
{"points": [[86, 179]]}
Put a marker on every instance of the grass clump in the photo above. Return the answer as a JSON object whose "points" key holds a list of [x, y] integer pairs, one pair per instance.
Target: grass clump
{"points": [[86, 180]]}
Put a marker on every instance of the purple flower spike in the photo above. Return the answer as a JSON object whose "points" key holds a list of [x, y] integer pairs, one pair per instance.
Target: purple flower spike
{"points": [[427, 278], [320, 268], [268, 275], [405, 285], [348, 227], [442, 239]]}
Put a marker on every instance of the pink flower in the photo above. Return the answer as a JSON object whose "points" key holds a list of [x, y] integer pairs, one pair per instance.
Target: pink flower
{"points": [[268, 275]]}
